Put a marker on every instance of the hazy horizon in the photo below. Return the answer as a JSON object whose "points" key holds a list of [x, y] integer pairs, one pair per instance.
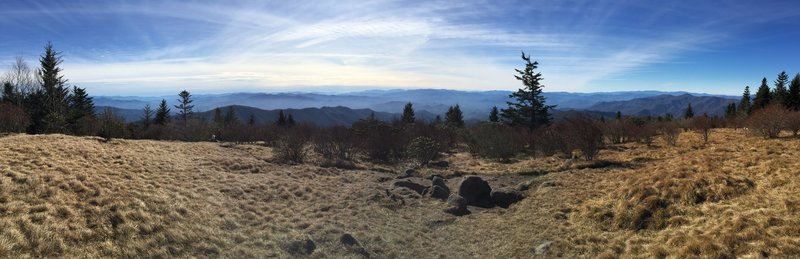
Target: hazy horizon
{"points": [[160, 47]]}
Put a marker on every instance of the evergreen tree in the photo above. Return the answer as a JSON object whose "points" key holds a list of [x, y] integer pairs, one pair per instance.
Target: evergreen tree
{"points": [[147, 116], [408, 114], [162, 114], [689, 113], [763, 96], [230, 117], [217, 116], [252, 120], [744, 105], [494, 115], [669, 117], [290, 120], [794, 93], [10, 94], [730, 111], [52, 100], [780, 95], [281, 119], [529, 108], [81, 111], [618, 116], [185, 106], [454, 117], [437, 120]]}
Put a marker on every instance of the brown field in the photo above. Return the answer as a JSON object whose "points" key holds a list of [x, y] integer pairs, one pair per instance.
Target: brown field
{"points": [[63, 196]]}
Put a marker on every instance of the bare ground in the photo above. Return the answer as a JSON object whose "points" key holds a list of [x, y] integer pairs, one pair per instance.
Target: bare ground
{"points": [[63, 196]]}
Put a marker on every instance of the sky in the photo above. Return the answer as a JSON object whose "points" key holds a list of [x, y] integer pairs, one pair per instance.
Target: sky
{"points": [[114, 47]]}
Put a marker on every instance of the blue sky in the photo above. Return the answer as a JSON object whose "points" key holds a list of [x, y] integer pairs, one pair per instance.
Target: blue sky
{"points": [[160, 47]]}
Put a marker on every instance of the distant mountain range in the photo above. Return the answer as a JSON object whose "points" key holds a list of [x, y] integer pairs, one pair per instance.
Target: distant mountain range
{"points": [[333, 109]]}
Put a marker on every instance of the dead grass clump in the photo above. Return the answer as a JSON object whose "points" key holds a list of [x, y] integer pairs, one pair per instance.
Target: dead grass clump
{"points": [[651, 202]]}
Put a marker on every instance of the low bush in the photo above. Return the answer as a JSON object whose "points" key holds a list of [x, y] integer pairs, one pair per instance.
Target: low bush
{"points": [[291, 148], [669, 132], [13, 118], [423, 150], [335, 143], [494, 141], [768, 122], [583, 133]]}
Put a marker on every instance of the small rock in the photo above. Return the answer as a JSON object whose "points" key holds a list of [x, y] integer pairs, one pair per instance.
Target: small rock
{"points": [[505, 197], [439, 181], [524, 186], [408, 184], [543, 247], [352, 244], [560, 215], [442, 164], [409, 173], [457, 205], [301, 247], [548, 184], [438, 192], [476, 191]]}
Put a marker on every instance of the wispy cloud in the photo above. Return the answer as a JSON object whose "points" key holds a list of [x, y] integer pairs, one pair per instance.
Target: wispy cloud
{"points": [[160, 46]]}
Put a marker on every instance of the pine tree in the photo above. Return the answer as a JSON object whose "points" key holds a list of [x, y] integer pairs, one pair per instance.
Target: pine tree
{"points": [[618, 116], [454, 117], [408, 114], [763, 96], [437, 120], [794, 93], [780, 95], [81, 111], [52, 99], [230, 117], [185, 106], [744, 105], [290, 120], [217, 117], [10, 94], [281, 119], [730, 111], [529, 108], [493, 115], [147, 116], [689, 113], [162, 114], [252, 120]]}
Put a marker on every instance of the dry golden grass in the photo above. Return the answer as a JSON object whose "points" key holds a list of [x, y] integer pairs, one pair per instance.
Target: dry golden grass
{"points": [[63, 196]]}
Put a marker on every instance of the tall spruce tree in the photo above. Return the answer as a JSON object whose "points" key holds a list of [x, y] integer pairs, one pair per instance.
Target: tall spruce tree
{"points": [[744, 105], [780, 94], [290, 121], [454, 117], [794, 93], [251, 121], [185, 106], [162, 114], [147, 116], [528, 108], [494, 115], [408, 114], [217, 119], [281, 119], [230, 117], [763, 96], [51, 99], [730, 111], [689, 113], [81, 112]]}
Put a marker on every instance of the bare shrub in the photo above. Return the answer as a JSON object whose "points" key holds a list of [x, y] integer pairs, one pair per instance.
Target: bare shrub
{"points": [[13, 118], [550, 140], [768, 121], [335, 143], [380, 141], [640, 130], [494, 141], [110, 126], [423, 150], [703, 125], [291, 148], [616, 131], [792, 123], [583, 133], [669, 132]]}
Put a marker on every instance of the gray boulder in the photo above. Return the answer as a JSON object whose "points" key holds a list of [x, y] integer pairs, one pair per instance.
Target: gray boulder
{"points": [[438, 192], [457, 205], [351, 244], [408, 184], [476, 191], [505, 197]]}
